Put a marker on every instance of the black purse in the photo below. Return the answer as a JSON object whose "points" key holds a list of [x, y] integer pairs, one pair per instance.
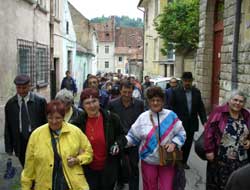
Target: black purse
{"points": [[199, 147]]}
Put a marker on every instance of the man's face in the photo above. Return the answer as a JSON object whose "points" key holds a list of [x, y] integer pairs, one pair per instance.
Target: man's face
{"points": [[173, 83], [68, 74], [147, 79], [23, 89], [187, 83], [126, 93], [93, 83]]}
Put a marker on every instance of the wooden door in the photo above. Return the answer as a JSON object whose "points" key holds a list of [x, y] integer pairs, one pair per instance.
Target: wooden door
{"points": [[218, 41]]}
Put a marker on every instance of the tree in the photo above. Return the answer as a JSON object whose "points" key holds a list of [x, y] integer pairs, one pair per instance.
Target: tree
{"points": [[178, 25]]}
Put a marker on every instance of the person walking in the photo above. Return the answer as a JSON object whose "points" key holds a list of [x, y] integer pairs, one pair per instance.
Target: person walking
{"points": [[227, 140], [188, 105], [169, 92], [155, 128], [69, 83], [128, 109], [24, 112], [73, 114], [104, 132], [55, 154]]}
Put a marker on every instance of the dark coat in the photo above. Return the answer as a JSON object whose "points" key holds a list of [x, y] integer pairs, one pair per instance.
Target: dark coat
{"points": [[239, 179], [113, 133], [36, 107], [179, 105], [77, 118]]}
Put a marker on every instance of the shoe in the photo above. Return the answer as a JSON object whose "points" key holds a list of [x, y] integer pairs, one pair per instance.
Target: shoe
{"points": [[186, 167]]}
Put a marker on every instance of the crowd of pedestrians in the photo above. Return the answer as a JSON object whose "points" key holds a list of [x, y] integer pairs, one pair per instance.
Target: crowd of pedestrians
{"points": [[96, 143]]}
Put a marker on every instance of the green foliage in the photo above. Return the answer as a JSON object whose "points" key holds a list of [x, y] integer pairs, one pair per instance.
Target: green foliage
{"points": [[178, 24], [123, 21]]}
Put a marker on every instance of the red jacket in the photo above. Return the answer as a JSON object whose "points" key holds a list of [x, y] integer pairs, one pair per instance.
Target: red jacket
{"points": [[214, 127]]}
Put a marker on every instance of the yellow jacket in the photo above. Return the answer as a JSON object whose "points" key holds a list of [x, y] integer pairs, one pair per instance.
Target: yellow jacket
{"points": [[40, 158]]}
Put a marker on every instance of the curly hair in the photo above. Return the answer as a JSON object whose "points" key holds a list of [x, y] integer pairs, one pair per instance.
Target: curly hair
{"points": [[155, 91]]}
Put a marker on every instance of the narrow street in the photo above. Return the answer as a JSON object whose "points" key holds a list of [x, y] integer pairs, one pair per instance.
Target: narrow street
{"points": [[195, 176]]}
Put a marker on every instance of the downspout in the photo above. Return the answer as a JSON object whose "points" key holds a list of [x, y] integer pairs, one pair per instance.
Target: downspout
{"points": [[142, 64], [236, 45]]}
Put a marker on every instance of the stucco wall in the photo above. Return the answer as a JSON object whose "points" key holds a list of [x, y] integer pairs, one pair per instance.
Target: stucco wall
{"points": [[19, 20]]}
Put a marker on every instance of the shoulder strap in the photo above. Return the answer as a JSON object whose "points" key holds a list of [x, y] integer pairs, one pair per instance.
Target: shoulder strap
{"points": [[53, 140]]}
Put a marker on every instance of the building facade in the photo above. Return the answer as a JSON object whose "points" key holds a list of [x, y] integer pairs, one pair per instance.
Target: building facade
{"points": [[223, 56]]}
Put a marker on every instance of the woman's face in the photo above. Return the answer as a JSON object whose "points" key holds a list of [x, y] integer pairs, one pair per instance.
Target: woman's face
{"points": [[55, 121], [236, 103], [91, 106], [156, 104]]}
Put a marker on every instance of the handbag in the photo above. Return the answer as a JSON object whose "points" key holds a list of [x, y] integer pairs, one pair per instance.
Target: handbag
{"points": [[166, 158], [199, 147]]}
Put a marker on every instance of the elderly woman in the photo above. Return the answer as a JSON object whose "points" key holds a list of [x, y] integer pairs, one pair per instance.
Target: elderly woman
{"points": [[154, 128], [226, 140], [55, 154], [105, 135], [73, 114]]}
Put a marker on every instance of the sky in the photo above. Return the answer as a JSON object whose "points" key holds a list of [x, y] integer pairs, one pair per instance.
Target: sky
{"points": [[96, 8]]}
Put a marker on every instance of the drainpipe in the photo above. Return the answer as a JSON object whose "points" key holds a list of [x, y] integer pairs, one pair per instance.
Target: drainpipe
{"points": [[142, 64], [52, 69], [235, 45]]}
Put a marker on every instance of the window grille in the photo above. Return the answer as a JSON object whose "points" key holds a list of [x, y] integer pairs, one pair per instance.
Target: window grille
{"points": [[33, 61]]}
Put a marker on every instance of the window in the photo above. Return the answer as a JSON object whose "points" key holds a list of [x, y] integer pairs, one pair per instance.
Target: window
{"points": [[156, 8], [56, 8], [33, 61], [97, 49], [156, 48], [120, 59], [106, 49], [42, 64], [171, 53], [67, 27], [42, 3], [106, 64]]}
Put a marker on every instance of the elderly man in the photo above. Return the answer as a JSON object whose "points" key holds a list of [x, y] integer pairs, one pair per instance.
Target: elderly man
{"points": [[188, 105], [23, 113], [169, 92]]}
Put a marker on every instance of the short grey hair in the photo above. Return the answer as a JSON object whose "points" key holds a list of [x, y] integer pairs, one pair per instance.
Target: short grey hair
{"points": [[65, 96], [233, 93]]}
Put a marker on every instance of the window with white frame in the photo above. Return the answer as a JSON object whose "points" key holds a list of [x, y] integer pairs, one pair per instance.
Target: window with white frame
{"points": [[97, 49], [106, 49], [156, 8], [120, 59], [42, 3], [106, 64]]}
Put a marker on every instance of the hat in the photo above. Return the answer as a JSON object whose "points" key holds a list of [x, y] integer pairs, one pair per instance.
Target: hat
{"points": [[187, 75], [22, 79], [89, 93]]}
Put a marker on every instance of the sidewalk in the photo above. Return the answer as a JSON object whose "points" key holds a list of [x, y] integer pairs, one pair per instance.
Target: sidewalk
{"points": [[9, 184]]}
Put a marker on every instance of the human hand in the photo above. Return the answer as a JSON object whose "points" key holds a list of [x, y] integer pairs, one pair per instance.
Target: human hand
{"points": [[169, 147], [114, 149], [246, 144], [210, 156], [72, 161]]}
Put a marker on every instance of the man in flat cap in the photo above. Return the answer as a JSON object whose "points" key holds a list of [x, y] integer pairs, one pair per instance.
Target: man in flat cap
{"points": [[187, 104], [23, 113]]}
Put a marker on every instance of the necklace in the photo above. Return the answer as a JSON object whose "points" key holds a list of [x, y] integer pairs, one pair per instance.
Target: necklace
{"points": [[92, 126]]}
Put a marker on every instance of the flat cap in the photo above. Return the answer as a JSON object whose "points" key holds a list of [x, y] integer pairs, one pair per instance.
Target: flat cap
{"points": [[187, 75], [22, 79]]}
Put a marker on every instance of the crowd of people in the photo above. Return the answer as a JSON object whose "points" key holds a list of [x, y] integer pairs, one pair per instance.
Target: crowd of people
{"points": [[97, 142]]}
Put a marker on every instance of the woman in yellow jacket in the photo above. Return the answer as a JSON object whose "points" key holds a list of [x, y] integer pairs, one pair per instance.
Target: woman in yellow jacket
{"points": [[55, 154]]}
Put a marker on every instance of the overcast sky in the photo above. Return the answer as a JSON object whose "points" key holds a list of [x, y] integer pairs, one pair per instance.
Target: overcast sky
{"points": [[97, 8]]}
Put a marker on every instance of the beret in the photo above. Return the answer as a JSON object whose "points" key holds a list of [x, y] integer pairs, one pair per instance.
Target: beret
{"points": [[22, 79]]}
